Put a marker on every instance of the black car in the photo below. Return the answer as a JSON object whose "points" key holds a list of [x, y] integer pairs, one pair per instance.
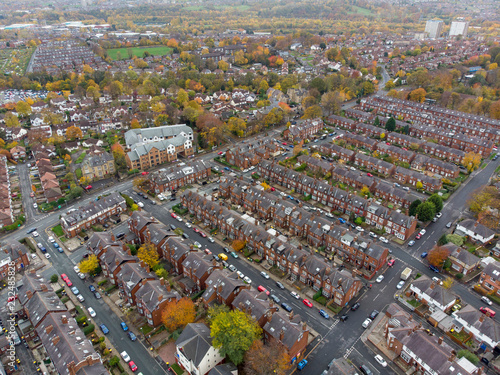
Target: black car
{"points": [[355, 306], [352, 225], [343, 318], [31, 230], [184, 235], [120, 235], [280, 285], [226, 250], [286, 306], [374, 314]]}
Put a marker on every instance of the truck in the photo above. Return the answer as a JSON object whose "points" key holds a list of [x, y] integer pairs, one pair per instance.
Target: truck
{"points": [[406, 273]]}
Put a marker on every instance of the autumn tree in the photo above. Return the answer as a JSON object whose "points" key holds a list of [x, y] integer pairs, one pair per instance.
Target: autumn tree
{"points": [[237, 126], [161, 119], [419, 185], [297, 149], [115, 89], [448, 282], [178, 313], [471, 161], [224, 66], [418, 95], [313, 112], [74, 132], [89, 265], [139, 181], [148, 254], [11, 120], [437, 256], [233, 333], [269, 359], [134, 124], [331, 101], [23, 108], [182, 97], [238, 245]]}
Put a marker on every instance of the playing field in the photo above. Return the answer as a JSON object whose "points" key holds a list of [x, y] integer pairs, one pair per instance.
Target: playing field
{"points": [[139, 51]]}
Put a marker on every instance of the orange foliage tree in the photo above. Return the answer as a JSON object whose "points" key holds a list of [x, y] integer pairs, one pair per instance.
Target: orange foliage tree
{"points": [[178, 314], [437, 256], [74, 132], [238, 245], [266, 359]]}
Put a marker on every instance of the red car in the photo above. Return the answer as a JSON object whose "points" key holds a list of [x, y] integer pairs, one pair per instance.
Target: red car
{"points": [[203, 235], [173, 215], [196, 230], [132, 366], [88, 187], [284, 143], [64, 276], [418, 236], [369, 175], [387, 143], [220, 153], [32, 195], [273, 189], [307, 303], [208, 252], [68, 282], [391, 262], [260, 288], [145, 173]]}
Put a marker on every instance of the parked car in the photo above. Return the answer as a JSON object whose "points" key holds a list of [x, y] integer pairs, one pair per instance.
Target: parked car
{"points": [[302, 364], [92, 312], [80, 298], [295, 294], [286, 306], [380, 279], [124, 326], [487, 311], [366, 323], [434, 268], [260, 288], [449, 224], [275, 298], [125, 356], [307, 303], [132, 335], [355, 306], [400, 285], [424, 254], [75, 290], [391, 262], [486, 300], [280, 285], [411, 243], [234, 255], [373, 314], [383, 239], [104, 329], [132, 366], [264, 275], [92, 288]]}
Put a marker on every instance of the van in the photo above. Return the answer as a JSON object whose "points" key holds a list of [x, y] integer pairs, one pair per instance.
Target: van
{"points": [[223, 256], [487, 311]]}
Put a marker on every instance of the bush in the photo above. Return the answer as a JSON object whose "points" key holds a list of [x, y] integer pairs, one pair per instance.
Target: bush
{"points": [[89, 329], [470, 356], [129, 201], [65, 299], [102, 282], [54, 278], [114, 361], [110, 288], [459, 276]]}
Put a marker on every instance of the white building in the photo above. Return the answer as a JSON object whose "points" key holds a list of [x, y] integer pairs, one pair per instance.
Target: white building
{"points": [[474, 230], [459, 28], [434, 28], [484, 328], [194, 350]]}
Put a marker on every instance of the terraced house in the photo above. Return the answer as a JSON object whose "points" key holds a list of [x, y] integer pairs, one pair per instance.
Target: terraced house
{"points": [[172, 178]]}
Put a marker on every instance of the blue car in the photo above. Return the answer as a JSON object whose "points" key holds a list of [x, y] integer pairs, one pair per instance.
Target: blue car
{"points": [[60, 250], [104, 329], [124, 326], [55, 245], [302, 364], [424, 254], [132, 336], [342, 221], [324, 314], [286, 306], [227, 168], [92, 288], [434, 268]]}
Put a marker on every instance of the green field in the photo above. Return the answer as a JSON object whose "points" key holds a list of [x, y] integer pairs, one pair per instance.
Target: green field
{"points": [[15, 60], [139, 51], [359, 10], [218, 7]]}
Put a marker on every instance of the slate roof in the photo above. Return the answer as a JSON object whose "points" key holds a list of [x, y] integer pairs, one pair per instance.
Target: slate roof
{"points": [[292, 328], [153, 292], [195, 341], [135, 136], [484, 324], [93, 208], [437, 293]]}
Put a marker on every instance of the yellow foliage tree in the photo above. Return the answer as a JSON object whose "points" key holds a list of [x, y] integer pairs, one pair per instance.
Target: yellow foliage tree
{"points": [[134, 124], [471, 161], [238, 245], [177, 314], [419, 185], [74, 132], [448, 282], [89, 265], [148, 254]]}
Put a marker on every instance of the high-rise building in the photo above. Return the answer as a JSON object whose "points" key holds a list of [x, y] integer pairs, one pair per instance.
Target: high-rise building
{"points": [[459, 28], [434, 28]]}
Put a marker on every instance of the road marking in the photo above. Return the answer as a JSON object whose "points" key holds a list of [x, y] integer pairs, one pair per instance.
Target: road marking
{"points": [[376, 297]]}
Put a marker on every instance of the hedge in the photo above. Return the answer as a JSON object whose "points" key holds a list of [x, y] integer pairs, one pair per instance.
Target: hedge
{"points": [[107, 290], [89, 329]]}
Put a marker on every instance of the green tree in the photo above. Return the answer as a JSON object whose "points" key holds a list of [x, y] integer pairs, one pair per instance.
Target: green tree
{"points": [[214, 311], [390, 125], [455, 239], [54, 278], [426, 211], [413, 207], [233, 333], [437, 201]]}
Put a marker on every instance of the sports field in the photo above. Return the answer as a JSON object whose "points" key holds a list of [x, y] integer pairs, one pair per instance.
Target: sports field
{"points": [[138, 51]]}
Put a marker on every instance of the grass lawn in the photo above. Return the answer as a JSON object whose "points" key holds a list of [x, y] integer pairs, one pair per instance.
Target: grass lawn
{"points": [[359, 10], [139, 51], [145, 329], [81, 157], [414, 303], [177, 368], [58, 231]]}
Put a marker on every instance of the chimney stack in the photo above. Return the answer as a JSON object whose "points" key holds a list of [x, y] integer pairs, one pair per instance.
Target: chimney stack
{"points": [[55, 340], [440, 340], [282, 334], [64, 319], [49, 329]]}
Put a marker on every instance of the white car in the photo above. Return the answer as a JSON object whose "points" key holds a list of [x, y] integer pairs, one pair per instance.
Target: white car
{"points": [[283, 194], [51, 239], [140, 204], [295, 294], [188, 225], [179, 219], [240, 274], [422, 232], [35, 205], [80, 298], [125, 357], [264, 275], [211, 239], [439, 214], [359, 229], [197, 244], [33, 256], [39, 244], [400, 285], [76, 269], [35, 234], [247, 280], [380, 279], [380, 360], [383, 239], [47, 255], [366, 323], [92, 312], [486, 300], [81, 275], [437, 280], [160, 197]]}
